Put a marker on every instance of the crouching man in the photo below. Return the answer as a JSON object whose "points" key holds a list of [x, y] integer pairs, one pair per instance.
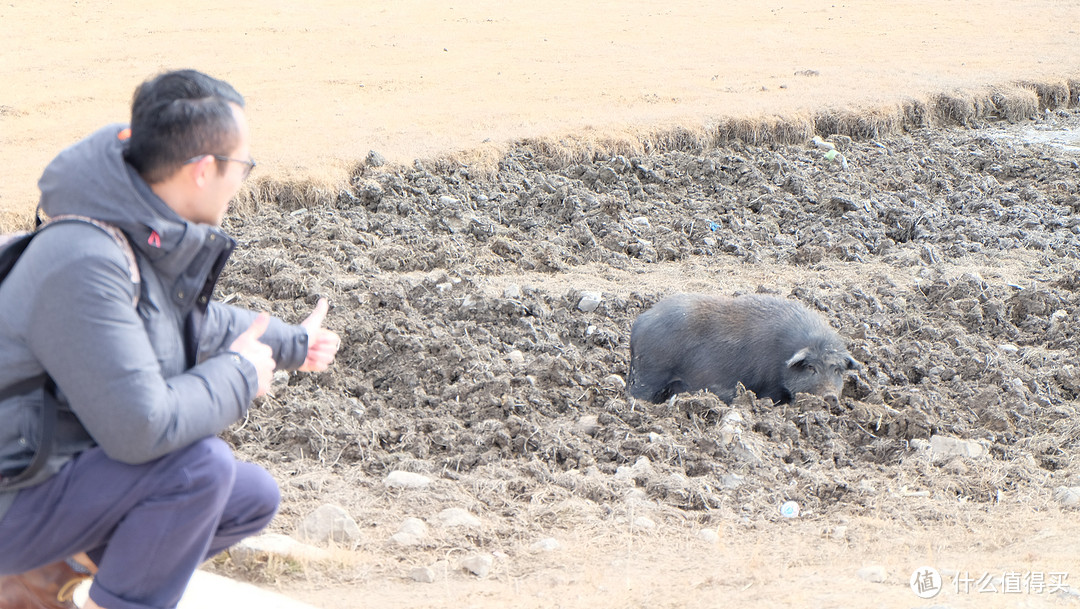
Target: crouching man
{"points": [[107, 319]]}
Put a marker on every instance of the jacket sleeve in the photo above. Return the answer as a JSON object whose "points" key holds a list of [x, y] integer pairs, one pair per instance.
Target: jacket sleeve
{"points": [[224, 323], [89, 338]]}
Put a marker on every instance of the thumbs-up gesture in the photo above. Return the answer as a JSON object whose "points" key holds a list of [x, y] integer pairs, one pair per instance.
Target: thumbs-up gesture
{"points": [[322, 343], [258, 353]]}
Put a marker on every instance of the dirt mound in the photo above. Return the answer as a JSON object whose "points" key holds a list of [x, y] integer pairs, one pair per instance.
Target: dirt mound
{"points": [[947, 257]]}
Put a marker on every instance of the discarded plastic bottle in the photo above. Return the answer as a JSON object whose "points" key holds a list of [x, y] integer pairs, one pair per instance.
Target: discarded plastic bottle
{"points": [[835, 156]]}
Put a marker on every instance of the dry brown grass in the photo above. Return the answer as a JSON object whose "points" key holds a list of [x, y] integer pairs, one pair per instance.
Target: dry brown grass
{"points": [[1015, 103], [287, 195], [1011, 101]]}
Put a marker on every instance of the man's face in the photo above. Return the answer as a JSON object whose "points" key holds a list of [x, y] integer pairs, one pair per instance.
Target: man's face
{"points": [[221, 186]]}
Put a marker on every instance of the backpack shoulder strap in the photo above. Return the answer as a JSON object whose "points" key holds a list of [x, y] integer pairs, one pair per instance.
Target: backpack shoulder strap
{"points": [[11, 247], [118, 236]]}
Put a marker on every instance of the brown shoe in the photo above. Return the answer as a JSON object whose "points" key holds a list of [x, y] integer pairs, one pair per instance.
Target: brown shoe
{"points": [[48, 587]]}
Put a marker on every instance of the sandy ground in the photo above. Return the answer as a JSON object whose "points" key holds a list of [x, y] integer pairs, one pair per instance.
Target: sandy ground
{"points": [[328, 81]]}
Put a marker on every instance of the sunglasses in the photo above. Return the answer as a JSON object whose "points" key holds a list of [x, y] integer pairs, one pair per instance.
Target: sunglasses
{"points": [[247, 170]]}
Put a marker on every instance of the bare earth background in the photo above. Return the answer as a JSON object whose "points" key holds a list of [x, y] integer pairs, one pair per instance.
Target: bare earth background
{"points": [[326, 82]]}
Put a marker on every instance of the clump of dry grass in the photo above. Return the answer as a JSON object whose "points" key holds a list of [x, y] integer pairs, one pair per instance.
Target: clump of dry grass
{"points": [[590, 144], [685, 138], [288, 195], [794, 129], [957, 108], [12, 220], [916, 113], [1015, 103], [481, 161], [869, 123], [1051, 95]]}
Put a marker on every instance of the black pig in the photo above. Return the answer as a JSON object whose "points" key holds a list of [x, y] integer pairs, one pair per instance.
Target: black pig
{"points": [[773, 346]]}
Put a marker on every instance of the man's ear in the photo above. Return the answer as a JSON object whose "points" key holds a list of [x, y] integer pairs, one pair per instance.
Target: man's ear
{"points": [[198, 171]]}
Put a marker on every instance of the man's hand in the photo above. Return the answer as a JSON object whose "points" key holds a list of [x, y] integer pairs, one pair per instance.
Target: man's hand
{"points": [[322, 343], [256, 352]]}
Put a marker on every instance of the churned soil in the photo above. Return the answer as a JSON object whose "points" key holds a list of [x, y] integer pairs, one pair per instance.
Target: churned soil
{"points": [[946, 257]]}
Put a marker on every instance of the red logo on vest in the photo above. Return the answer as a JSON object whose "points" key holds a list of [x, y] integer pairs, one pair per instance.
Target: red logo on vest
{"points": [[155, 239]]}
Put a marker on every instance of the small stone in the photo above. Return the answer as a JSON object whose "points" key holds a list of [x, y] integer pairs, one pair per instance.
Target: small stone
{"points": [[641, 221], [644, 522], [732, 480], [437, 277], [733, 417], [729, 433], [589, 301], [1057, 321], [413, 526], [516, 357], [374, 159], [402, 479], [512, 291], [447, 201], [329, 523], [616, 381], [876, 574], [588, 425], [1067, 496], [456, 517], [944, 447], [548, 544], [641, 469], [369, 191], [478, 564], [280, 382], [709, 536], [424, 575], [608, 175], [406, 540]]}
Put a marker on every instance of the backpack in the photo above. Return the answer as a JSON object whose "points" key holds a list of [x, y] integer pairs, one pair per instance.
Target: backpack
{"points": [[12, 247]]}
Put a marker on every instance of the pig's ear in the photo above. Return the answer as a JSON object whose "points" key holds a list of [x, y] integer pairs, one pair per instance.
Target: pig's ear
{"points": [[852, 364], [799, 358]]}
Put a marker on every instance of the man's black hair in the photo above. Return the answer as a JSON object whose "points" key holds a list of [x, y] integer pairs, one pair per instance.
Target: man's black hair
{"points": [[177, 116]]}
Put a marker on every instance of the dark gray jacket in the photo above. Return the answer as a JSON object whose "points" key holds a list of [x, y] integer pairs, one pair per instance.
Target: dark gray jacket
{"points": [[138, 381]]}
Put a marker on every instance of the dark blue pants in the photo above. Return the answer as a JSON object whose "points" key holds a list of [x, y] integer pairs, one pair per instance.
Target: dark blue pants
{"points": [[148, 527]]}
